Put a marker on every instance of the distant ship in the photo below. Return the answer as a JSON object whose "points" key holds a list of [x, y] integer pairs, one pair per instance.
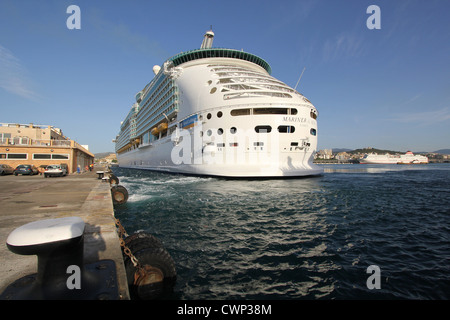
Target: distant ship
{"points": [[218, 112], [408, 158]]}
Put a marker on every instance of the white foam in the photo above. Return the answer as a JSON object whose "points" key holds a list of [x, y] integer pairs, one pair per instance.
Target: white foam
{"points": [[138, 197]]}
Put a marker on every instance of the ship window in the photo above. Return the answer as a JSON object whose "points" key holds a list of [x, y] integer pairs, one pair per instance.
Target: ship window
{"points": [[270, 111], [220, 131], [208, 116], [240, 112], [294, 111], [219, 114], [263, 129], [258, 144], [209, 132], [221, 145], [313, 131], [294, 144], [286, 129], [213, 90], [233, 130], [313, 115], [233, 144]]}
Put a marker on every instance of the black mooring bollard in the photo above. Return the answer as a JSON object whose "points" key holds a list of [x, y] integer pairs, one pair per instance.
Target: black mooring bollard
{"points": [[61, 272]]}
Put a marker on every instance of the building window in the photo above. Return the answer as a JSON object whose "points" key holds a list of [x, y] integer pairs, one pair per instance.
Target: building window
{"points": [[50, 156], [42, 156], [60, 156], [21, 140], [13, 156], [5, 137]]}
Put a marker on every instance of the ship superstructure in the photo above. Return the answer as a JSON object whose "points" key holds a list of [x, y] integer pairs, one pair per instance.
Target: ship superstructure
{"points": [[407, 158], [219, 112]]}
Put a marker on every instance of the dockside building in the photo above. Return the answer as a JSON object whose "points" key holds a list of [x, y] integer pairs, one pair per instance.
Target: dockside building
{"points": [[41, 145]]}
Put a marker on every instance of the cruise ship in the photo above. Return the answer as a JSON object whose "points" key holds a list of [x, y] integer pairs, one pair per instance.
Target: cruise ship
{"points": [[408, 158], [219, 112]]}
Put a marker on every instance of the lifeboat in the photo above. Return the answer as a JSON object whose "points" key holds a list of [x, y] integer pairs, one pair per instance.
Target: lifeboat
{"points": [[162, 127], [155, 131]]}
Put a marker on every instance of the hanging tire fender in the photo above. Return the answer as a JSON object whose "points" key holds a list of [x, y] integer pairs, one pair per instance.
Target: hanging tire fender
{"points": [[119, 194], [157, 279], [113, 179], [141, 240]]}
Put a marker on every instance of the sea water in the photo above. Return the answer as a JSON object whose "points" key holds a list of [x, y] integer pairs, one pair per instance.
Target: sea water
{"points": [[306, 238]]}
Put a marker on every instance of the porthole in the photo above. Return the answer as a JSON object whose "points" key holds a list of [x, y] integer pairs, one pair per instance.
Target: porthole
{"points": [[219, 114], [209, 133], [213, 90], [220, 131], [233, 130], [208, 116], [313, 131]]}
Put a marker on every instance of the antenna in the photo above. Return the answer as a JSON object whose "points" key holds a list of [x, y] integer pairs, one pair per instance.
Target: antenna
{"points": [[295, 88]]}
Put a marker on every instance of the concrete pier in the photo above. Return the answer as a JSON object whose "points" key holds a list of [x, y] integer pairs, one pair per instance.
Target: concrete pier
{"points": [[25, 199]]}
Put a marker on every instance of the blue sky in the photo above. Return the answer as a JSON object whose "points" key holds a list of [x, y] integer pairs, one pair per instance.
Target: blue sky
{"points": [[385, 88]]}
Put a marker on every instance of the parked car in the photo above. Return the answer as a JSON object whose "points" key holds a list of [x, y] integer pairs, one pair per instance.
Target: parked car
{"points": [[6, 169], [55, 170], [26, 169]]}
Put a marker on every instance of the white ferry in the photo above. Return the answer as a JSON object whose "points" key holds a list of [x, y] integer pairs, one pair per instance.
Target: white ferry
{"points": [[408, 158], [218, 112]]}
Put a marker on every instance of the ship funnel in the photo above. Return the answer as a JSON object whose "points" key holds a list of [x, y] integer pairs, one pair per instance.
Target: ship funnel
{"points": [[207, 40]]}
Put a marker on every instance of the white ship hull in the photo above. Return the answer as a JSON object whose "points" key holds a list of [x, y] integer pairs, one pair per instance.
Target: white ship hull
{"points": [[219, 116], [408, 158], [255, 163]]}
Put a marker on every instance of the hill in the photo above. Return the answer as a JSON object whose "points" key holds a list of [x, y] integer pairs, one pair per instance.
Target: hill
{"points": [[102, 154], [443, 151], [373, 150], [382, 151]]}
